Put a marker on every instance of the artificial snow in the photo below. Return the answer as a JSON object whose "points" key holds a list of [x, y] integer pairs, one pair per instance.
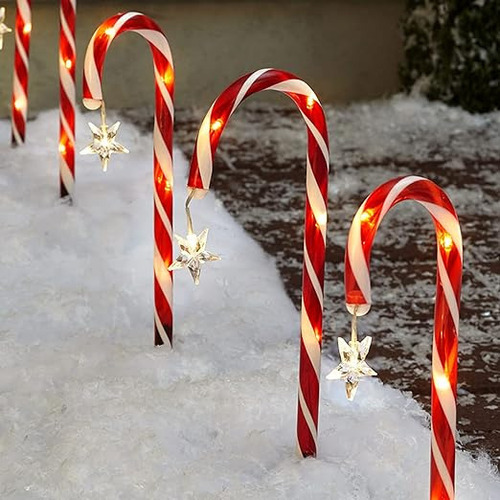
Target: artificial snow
{"points": [[90, 409]]}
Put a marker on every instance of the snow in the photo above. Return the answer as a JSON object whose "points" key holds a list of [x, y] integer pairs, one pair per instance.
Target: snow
{"points": [[90, 409]]}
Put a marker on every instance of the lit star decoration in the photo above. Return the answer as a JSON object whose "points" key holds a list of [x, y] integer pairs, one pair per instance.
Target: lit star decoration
{"points": [[104, 141], [352, 365], [3, 28], [193, 254]]}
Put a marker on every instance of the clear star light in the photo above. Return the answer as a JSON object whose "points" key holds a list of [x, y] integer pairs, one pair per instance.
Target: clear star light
{"points": [[3, 28], [104, 141], [352, 367], [193, 254]]}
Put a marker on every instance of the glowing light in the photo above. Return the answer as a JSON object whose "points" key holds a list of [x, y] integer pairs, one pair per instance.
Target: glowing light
{"points": [[111, 32], [310, 102], [168, 77], [317, 334], [168, 186], [322, 218], [27, 28], [446, 242], [216, 125], [20, 103], [62, 148], [442, 383], [367, 215], [68, 63]]}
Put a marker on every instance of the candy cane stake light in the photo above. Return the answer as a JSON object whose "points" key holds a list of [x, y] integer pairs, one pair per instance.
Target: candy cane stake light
{"points": [[67, 96], [162, 138], [446, 313], [315, 219], [4, 29], [21, 71]]}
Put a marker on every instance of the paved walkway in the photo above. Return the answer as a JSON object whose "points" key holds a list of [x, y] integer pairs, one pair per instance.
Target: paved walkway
{"points": [[259, 176]]}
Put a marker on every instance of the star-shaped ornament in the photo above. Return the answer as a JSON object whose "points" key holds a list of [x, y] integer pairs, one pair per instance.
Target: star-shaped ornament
{"points": [[193, 254], [3, 28], [352, 365], [104, 142]]}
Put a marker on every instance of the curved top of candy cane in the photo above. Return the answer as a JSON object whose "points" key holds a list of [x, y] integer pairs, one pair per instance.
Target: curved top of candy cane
{"points": [[367, 221], [218, 115], [100, 42]]}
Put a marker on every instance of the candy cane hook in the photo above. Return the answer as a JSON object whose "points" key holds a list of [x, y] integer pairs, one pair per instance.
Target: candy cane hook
{"points": [[446, 313], [315, 219], [21, 71], [67, 96], [162, 138]]}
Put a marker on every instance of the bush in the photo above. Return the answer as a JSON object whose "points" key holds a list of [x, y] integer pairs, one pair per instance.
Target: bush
{"points": [[452, 52]]}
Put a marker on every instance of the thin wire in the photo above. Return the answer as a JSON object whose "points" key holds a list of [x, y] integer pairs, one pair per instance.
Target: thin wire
{"points": [[188, 212], [103, 112], [354, 325]]}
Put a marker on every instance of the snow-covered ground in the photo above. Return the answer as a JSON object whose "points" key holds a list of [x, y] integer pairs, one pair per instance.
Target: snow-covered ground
{"points": [[90, 409]]}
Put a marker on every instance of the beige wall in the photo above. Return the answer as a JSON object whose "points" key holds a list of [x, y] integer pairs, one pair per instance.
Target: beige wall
{"points": [[346, 49]]}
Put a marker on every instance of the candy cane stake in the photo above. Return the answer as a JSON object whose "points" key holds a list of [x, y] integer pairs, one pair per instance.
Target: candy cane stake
{"points": [[21, 71], [315, 219], [446, 314], [163, 132], [67, 96]]}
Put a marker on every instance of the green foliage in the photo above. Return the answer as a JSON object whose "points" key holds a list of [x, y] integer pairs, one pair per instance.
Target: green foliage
{"points": [[452, 51]]}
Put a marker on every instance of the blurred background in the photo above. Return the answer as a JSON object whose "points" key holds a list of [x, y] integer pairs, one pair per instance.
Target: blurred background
{"points": [[345, 49]]}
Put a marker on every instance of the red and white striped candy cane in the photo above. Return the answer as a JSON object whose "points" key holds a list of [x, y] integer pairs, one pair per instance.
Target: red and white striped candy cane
{"points": [[446, 314], [315, 219], [21, 71], [67, 96], [163, 132]]}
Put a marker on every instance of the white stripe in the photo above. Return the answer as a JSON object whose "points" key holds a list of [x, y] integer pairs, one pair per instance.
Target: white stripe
{"points": [[310, 341], [20, 94], [25, 10], [21, 51], [67, 128], [359, 266], [308, 418], [92, 77], [316, 199], [295, 86], [163, 215], [67, 82], [445, 395], [158, 39], [449, 222], [319, 139], [164, 92], [441, 466], [66, 176], [70, 37], [162, 275], [162, 154], [16, 134], [161, 330], [448, 291], [244, 88], [312, 275], [395, 192], [125, 18], [203, 150]]}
